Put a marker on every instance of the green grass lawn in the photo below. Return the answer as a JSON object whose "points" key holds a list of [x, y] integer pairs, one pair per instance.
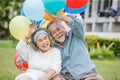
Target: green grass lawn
{"points": [[109, 69]]}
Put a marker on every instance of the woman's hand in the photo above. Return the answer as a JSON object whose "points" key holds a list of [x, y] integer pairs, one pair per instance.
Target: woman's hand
{"points": [[45, 78], [32, 28], [50, 74]]}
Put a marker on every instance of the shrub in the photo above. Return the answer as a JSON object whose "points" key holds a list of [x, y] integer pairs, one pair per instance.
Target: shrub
{"points": [[101, 52], [93, 40]]}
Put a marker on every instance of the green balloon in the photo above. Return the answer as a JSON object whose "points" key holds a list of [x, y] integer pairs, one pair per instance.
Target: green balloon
{"points": [[19, 26]]}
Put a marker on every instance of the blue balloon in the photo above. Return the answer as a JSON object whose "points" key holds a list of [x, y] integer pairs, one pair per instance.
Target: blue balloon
{"points": [[37, 23], [54, 6], [22, 12], [76, 11], [34, 9]]}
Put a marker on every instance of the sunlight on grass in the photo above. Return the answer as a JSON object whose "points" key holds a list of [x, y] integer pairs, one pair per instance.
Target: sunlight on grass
{"points": [[109, 69], [8, 71], [8, 43]]}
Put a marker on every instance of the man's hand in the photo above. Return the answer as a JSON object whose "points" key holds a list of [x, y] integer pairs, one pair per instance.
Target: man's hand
{"points": [[61, 17]]}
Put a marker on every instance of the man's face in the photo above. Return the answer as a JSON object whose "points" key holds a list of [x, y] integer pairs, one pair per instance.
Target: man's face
{"points": [[58, 32]]}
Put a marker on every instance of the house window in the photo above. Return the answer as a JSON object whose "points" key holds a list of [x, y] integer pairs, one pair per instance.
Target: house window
{"points": [[104, 7]]}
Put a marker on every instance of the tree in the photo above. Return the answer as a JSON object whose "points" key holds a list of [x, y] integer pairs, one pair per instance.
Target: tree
{"points": [[8, 9]]}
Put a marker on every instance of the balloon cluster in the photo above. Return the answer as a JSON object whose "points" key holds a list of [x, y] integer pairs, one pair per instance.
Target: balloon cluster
{"points": [[38, 10]]}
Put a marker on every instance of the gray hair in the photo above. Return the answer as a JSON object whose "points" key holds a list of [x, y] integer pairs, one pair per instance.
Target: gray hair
{"points": [[33, 44]]}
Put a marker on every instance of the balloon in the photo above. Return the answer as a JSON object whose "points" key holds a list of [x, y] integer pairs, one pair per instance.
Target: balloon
{"points": [[44, 24], [46, 17], [54, 6], [18, 26], [61, 12], [23, 66], [77, 10], [37, 23], [76, 3], [49, 18], [22, 12], [34, 9]]}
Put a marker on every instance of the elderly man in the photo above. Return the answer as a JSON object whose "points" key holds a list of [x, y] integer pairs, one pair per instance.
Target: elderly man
{"points": [[76, 63]]}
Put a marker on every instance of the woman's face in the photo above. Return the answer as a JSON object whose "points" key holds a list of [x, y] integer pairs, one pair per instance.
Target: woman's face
{"points": [[43, 42]]}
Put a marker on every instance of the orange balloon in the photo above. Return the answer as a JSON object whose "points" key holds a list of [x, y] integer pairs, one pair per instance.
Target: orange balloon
{"points": [[23, 66], [61, 12], [49, 18]]}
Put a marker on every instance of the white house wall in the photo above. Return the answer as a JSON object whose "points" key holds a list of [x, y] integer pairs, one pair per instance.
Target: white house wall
{"points": [[94, 23]]}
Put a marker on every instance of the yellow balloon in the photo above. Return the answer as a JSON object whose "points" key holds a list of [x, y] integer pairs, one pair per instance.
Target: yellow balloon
{"points": [[44, 24], [18, 26]]}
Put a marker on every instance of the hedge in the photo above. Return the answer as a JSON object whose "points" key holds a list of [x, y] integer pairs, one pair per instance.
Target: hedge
{"points": [[93, 40]]}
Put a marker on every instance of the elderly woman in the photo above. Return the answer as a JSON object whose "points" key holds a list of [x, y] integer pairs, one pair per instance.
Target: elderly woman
{"points": [[44, 60]]}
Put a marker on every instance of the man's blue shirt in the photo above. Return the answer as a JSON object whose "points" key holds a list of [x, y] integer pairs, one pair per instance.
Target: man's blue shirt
{"points": [[75, 56]]}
